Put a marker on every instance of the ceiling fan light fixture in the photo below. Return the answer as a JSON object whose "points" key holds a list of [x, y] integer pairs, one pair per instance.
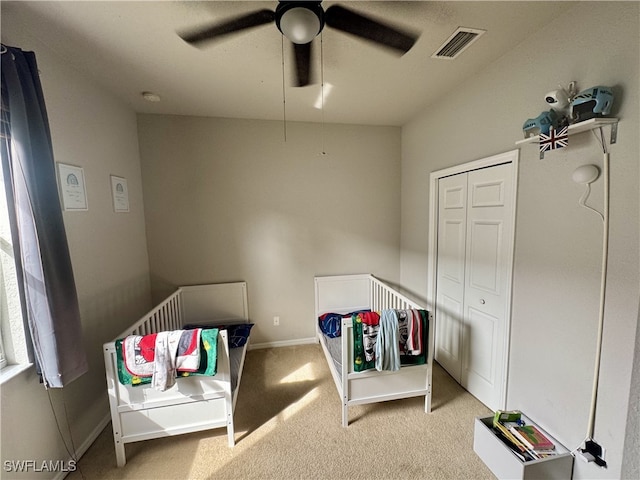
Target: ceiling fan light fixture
{"points": [[300, 21], [300, 24]]}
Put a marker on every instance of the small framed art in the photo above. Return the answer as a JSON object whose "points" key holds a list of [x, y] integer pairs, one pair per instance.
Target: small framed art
{"points": [[72, 187], [120, 194]]}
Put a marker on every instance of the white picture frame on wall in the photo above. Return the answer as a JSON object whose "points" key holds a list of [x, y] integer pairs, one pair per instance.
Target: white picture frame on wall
{"points": [[120, 193], [72, 187]]}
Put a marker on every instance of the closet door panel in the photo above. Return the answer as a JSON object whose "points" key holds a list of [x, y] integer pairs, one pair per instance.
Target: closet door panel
{"points": [[481, 331], [484, 255], [489, 227], [450, 326], [487, 193], [453, 251], [451, 244]]}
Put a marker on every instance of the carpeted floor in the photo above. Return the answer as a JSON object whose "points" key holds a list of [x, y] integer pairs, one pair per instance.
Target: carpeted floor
{"points": [[288, 427]]}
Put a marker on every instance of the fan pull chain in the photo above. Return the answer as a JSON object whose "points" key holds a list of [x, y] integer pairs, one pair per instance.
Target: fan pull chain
{"points": [[322, 90], [284, 99]]}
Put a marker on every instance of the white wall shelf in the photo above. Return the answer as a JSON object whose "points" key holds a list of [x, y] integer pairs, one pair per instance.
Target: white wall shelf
{"points": [[580, 127]]}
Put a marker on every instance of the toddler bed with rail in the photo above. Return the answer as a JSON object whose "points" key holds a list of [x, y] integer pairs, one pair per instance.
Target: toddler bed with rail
{"points": [[341, 298], [141, 411]]}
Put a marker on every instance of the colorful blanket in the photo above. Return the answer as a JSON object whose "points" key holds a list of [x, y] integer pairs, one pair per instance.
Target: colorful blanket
{"points": [[145, 354], [388, 344], [365, 334], [410, 326], [413, 326], [139, 368]]}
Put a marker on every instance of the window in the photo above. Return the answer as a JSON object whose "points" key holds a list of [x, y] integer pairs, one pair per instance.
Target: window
{"points": [[13, 345], [3, 359], [55, 329]]}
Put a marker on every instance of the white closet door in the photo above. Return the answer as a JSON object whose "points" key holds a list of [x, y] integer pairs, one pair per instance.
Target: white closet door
{"points": [[452, 225], [487, 277], [474, 244]]}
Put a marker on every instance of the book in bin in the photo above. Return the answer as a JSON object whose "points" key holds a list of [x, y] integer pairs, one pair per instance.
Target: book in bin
{"points": [[532, 437]]}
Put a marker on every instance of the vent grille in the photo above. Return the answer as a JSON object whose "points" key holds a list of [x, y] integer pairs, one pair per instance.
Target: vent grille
{"points": [[459, 41]]}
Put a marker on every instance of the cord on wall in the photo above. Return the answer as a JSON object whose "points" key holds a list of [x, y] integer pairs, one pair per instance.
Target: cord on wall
{"points": [[284, 95], [583, 201], [587, 174], [592, 452], [322, 90], [603, 288], [72, 452]]}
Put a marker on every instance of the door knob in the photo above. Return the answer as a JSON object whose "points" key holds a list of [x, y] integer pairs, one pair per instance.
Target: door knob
{"points": [[482, 302]]}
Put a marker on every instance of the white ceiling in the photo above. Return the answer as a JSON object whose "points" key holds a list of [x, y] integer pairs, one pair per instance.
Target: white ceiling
{"points": [[131, 47]]}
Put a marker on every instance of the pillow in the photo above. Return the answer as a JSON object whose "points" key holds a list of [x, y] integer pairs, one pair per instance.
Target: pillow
{"points": [[238, 333], [330, 323]]}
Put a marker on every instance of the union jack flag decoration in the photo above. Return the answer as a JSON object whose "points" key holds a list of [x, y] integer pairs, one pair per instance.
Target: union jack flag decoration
{"points": [[554, 140]]}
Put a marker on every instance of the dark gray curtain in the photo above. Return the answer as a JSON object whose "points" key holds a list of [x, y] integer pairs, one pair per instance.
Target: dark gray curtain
{"points": [[48, 286]]}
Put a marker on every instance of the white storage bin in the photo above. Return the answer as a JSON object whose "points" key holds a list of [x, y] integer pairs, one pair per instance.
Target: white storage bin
{"points": [[506, 465]]}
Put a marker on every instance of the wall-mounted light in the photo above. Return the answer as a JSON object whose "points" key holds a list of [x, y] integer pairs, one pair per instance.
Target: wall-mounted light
{"points": [[586, 174]]}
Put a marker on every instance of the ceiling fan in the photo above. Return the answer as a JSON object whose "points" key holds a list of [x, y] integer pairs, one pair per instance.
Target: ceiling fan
{"points": [[301, 22]]}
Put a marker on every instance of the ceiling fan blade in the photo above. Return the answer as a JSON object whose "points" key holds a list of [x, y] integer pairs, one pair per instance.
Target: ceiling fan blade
{"points": [[302, 56], [365, 27], [243, 22]]}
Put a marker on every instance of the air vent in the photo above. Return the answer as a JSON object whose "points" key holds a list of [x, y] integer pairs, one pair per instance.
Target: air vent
{"points": [[457, 43]]}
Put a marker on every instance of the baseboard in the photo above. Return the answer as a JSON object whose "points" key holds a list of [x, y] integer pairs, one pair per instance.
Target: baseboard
{"points": [[84, 446], [284, 343]]}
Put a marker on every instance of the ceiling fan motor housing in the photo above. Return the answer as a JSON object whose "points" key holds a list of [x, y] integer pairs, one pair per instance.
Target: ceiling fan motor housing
{"points": [[300, 22]]}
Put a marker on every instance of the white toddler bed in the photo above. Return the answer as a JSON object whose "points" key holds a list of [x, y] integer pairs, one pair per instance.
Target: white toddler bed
{"points": [[196, 402], [348, 293]]}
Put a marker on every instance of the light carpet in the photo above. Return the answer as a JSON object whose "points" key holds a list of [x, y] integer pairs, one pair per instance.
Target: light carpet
{"points": [[288, 426]]}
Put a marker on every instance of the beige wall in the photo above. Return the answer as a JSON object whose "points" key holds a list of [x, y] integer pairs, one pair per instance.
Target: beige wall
{"points": [[92, 130], [231, 200], [558, 244]]}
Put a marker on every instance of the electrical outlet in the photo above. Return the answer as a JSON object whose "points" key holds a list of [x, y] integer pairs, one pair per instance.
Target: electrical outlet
{"points": [[593, 453], [276, 321], [585, 456]]}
